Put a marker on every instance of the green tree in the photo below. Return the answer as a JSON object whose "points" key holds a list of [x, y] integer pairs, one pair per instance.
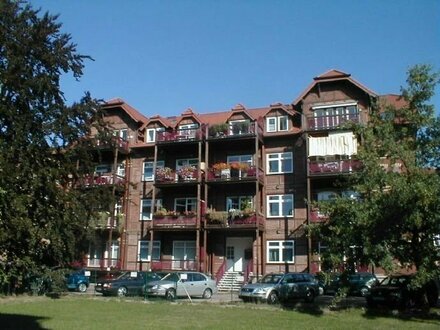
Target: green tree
{"points": [[397, 217], [42, 219]]}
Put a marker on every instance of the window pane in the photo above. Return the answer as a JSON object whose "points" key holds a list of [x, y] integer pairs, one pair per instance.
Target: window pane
{"points": [[274, 209], [274, 255], [283, 123], [271, 124], [288, 205]]}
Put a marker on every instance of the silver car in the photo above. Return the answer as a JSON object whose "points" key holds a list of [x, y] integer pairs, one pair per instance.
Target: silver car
{"points": [[276, 287], [182, 284]]}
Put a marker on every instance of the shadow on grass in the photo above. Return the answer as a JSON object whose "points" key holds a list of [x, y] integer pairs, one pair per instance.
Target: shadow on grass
{"points": [[16, 321], [431, 316]]}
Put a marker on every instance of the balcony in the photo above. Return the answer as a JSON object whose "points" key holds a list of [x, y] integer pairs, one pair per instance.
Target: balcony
{"points": [[234, 130], [167, 175], [235, 172], [330, 122], [114, 142], [102, 180], [102, 263], [240, 219], [174, 221], [180, 135], [164, 264], [334, 167], [317, 217]]}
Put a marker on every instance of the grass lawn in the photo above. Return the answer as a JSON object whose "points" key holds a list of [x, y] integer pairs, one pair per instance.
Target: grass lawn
{"points": [[96, 312]]}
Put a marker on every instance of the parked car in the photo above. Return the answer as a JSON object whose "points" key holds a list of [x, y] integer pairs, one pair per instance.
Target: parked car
{"points": [[128, 283], [328, 282], [276, 287], [358, 284], [78, 280], [395, 292], [182, 284]]}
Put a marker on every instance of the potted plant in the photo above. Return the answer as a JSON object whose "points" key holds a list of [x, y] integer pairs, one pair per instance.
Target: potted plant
{"points": [[173, 214], [186, 173], [221, 169], [218, 130], [160, 213], [164, 174]]}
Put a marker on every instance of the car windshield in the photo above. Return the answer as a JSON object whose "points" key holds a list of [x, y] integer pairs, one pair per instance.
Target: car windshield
{"points": [[171, 277], [271, 279]]}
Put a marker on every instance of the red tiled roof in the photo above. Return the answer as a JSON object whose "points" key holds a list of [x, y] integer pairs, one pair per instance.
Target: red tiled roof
{"points": [[395, 100]]}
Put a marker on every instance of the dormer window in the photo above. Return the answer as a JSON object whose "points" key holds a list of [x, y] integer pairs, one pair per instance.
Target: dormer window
{"points": [[121, 133], [188, 130], [277, 124], [152, 132], [237, 127]]}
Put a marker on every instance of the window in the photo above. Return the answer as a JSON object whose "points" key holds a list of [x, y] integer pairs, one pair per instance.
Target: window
{"points": [[240, 159], [144, 249], [122, 133], [279, 206], [237, 127], [280, 252], [333, 116], [277, 124], [194, 162], [281, 162], [188, 130], [146, 209], [239, 202], [183, 205], [152, 132], [103, 169], [148, 170], [121, 169]]}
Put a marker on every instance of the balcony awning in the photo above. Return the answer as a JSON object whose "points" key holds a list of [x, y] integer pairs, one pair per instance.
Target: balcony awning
{"points": [[334, 144]]}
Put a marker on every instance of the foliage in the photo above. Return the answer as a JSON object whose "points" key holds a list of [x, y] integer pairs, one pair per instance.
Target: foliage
{"points": [[218, 129], [398, 215], [42, 219], [220, 166]]}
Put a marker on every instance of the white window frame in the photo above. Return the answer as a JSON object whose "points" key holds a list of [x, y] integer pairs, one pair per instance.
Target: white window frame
{"points": [[186, 202], [145, 244], [239, 202], [279, 157], [159, 164], [232, 122], [280, 246], [280, 201], [145, 204], [193, 162], [276, 125]]}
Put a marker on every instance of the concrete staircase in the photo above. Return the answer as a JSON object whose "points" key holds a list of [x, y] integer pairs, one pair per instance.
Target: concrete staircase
{"points": [[231, 281]]}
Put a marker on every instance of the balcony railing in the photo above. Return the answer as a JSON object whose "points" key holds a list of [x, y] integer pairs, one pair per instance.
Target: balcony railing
{"points": [[115, 141], [180, 135], [103, 263], [230, 174], [316, 216], [178, 221], [240, 129], [224, 220], [334, 167], [164, 264], [167, 175], [331, 122], [101, 180]]}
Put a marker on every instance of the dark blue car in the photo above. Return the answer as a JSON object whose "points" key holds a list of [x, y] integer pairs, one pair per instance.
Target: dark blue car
{"points": [[78, 280]]}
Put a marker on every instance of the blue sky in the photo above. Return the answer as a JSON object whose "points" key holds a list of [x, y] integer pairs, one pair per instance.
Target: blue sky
{"points": [[165, 56]]}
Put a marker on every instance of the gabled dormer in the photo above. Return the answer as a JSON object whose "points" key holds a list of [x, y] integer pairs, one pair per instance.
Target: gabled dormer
{"points": [[280, 119], [123, 119], [240, 121], [153, 127], [332, 99], [189, 125]]}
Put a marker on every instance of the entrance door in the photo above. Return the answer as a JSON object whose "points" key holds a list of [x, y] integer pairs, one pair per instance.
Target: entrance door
{"points": [[235, 247]]}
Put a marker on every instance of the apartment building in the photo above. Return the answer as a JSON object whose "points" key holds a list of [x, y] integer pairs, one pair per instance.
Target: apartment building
{"points": [[228, 191]]}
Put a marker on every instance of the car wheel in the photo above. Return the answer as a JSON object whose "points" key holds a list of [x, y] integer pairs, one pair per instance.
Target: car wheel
{"points": [[364, 291], [82, 287], [122, 291], [207, 294], [272, 298], [310, 296], [170, 294]]}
